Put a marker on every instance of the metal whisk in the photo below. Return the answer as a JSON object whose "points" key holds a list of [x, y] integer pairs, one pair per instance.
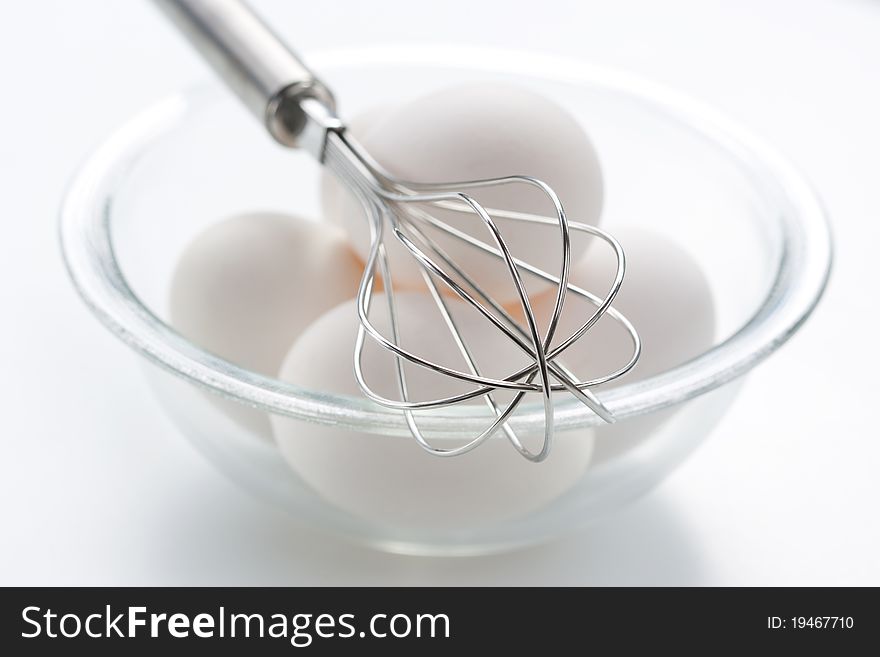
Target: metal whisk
{"points": [[299, 111]]}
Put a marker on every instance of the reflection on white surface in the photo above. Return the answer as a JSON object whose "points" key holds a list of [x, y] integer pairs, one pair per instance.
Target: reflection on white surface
{"points": [[648, 544]]}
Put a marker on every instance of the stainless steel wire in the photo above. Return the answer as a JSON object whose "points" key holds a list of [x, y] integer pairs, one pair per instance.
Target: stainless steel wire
{"points": [[398, 205]]}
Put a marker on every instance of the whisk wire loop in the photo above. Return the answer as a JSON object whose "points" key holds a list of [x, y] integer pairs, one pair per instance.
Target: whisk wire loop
{"points": [[391, 202]]}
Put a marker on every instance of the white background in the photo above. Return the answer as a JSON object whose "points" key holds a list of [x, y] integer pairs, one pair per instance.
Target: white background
{"points": [[96, 487]]}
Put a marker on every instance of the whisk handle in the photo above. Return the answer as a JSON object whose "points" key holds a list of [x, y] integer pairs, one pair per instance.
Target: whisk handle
{"points": [[294, 105]]}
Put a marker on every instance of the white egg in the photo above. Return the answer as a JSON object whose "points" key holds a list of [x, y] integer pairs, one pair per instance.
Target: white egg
{"points": [[246, 287], [390, 480], [666, 296], [477, 131]]}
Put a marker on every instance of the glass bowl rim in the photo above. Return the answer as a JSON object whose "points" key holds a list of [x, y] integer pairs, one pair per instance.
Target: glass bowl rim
{"points": [[802, 270]]}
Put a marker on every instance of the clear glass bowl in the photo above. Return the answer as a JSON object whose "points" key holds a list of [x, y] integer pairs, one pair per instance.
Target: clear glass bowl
{"points": [[751, 221]]}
